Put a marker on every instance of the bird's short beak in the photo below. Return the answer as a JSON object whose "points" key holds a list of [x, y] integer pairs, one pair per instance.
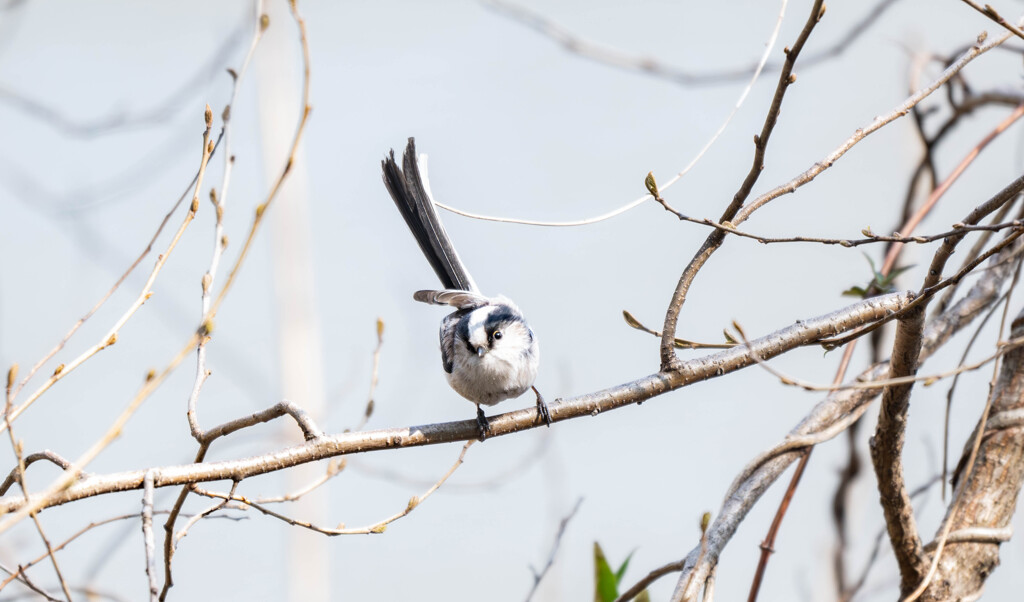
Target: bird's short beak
{"points": [[480, 351]]}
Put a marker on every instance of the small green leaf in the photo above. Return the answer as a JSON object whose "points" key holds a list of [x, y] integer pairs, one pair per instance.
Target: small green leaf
{"points": [[622, 569], [633, 322], [652, 186], [870, 263], [888, 280], [605, 584], [879, 283], [643, 596]]}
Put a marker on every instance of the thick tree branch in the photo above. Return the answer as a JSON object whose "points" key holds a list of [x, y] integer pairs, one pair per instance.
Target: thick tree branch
{"points": [[887, 443], [887, 453], [804, 332], [988, 497]]}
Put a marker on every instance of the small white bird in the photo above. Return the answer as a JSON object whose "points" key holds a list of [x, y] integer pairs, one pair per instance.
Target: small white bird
{"points": [[488, 351]]}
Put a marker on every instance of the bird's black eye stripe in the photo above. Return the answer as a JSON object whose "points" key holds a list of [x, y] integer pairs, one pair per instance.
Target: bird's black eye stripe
{"points": [[500, 315]]}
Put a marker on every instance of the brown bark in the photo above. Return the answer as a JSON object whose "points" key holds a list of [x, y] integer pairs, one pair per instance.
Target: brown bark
{"points": [[990, 493]]}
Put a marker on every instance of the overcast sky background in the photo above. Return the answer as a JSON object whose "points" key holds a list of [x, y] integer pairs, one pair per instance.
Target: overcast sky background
{"points": [[515, 126]]}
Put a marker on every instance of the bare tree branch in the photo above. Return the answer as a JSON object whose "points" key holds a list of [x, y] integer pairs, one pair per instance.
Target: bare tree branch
{"points": [[539, 575], [669, 360], [650, 65], [802, 333]]}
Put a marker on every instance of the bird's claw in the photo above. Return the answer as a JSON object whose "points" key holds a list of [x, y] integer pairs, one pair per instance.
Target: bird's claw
{"points": [[482, 425], [542, 408]]}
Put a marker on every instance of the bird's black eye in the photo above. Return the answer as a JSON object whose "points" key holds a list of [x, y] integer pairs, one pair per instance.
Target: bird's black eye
{"points": [[497, 335]]}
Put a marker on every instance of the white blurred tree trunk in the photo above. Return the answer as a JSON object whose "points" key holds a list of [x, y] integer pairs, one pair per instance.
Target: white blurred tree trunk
{"points": [[299, 347]]}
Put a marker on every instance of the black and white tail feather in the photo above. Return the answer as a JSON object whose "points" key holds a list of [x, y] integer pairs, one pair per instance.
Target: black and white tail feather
{"points": [[488, 351]]}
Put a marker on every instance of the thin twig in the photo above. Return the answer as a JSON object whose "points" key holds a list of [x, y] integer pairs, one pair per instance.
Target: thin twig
{"points": [[157, 115], [991, 13], [890, 258], [648, 65], [658, 573], [378, 527], [124, 276], [147, 534], [334, 468], [219, 201], [114, 430], [669, 359], [969, 55], [110, 337], [928, 293], [14, 575], [16, 446], [374, 377], [768, 545], [790, 186], [23, 578], [754, 75], [538, 576], [195, 519]]}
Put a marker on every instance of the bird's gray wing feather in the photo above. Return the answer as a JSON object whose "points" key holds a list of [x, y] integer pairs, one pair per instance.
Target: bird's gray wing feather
{"points": [[411, 193], [455, 298], [448, 325]]}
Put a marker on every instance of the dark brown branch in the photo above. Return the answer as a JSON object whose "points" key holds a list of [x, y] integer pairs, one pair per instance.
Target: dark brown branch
{"points": [[658, 573], [768, 545]]}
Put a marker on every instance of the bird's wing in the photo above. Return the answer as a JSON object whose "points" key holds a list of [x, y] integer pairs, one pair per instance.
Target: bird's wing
{"points": [[455, 298], [448, 327]]}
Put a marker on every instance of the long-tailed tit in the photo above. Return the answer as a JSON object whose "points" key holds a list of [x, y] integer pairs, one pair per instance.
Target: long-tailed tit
{"points": [[488, 351]]}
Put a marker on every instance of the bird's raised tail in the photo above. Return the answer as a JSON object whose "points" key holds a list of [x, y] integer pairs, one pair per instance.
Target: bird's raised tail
{"points": [[411, 192]]}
